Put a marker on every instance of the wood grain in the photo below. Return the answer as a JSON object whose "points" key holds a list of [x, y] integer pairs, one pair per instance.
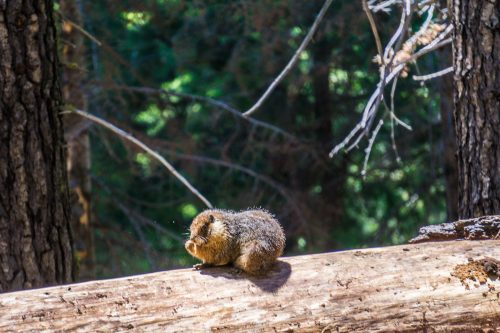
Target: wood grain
{"points": [[406, 288]]}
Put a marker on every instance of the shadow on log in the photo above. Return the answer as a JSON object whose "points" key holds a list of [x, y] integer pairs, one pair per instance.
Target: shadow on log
{"points": [[446, 286], [270, 283]]}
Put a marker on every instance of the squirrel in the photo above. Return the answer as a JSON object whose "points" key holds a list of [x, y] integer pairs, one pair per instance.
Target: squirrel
{"points": [[251, 240]]}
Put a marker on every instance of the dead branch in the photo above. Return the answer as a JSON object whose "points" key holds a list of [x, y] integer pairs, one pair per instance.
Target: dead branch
{"points": [[485, 227], [210, 101], [292, 61], [144, 147], [396, 57]]}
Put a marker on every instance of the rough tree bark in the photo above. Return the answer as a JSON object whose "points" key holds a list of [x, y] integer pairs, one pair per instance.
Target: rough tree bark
{"points": [[476, 50], [35, 241], [77, 138], [409, 288]]}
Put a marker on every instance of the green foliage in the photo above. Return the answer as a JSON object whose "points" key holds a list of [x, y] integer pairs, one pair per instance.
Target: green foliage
{"points": [[231, 51]]}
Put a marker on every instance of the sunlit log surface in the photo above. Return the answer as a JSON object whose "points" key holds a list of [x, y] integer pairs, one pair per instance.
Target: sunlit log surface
{"points": [[408, 288]]}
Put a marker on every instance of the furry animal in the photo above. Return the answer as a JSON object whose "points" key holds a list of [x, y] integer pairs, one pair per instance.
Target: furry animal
{"points": [[251, 240]]}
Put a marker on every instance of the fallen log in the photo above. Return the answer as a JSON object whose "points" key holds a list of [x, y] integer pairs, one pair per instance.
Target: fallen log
{"points": [[410, 288], [479, 228]]}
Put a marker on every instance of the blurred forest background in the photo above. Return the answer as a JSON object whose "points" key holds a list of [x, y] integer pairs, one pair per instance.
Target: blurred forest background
{"points": [[211, 56]]}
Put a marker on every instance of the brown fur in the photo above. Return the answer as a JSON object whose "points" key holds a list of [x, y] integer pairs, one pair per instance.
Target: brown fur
{"points": [[251, 239]]}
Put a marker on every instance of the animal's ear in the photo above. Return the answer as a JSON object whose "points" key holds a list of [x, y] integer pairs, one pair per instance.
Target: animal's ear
{"points": [[211, 219]]}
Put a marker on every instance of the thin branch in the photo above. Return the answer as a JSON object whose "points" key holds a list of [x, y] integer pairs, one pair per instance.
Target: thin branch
{"points": [[393, 141], [282, 190], [144, 220], [207, 100], [292, 61], [392, 117], [278, 187], [363, 127], [383, 6], [373, 27], [84, 32], [142, 239], [144, 147], [392, 112], [80, 29], [387, 61], [393, 93], [435, 44], [346, 141], [369, 109], [370, 146], [399, 32], [424, 27], [210, 101], [433, 75]]}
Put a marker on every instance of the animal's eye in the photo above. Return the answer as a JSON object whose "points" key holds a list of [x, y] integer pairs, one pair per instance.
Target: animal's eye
{"points": [[204, 229]]}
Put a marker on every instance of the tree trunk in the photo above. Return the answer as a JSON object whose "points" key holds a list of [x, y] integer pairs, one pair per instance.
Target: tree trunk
{"points": [[331, 176], [35, 240], [476, 50], [409, 288], [77, 136], [448, 134]]}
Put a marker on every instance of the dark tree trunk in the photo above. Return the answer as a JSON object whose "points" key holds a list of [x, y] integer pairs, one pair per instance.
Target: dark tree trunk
{"points": [[476, 60], [448, 138], [331, 175], [35, 239], [77, 137]]}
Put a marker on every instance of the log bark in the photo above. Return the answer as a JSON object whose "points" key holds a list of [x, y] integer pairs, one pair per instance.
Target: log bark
{"points": [[407, 288], [484, 227], [35, 239]]}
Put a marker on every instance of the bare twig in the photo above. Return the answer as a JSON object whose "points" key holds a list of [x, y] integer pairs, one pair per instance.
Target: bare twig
{"points": [[80, 29], [392, 117], [436, 44], [373, 27], [275, 185], [399, 32], [393, 62], [144, 147], [282, 190], [140, 234], [433, 75], [292, 61], [370, 108], [83, 31], [346, 141], [370, 146], [386, 65], [424, 27], [211, 101], [392, 110], [219, 104], [144, 220], [383, 6]]}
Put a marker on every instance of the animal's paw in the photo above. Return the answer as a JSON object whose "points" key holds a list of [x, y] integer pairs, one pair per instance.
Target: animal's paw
{"points": [[197, 267], [235, 271]]}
